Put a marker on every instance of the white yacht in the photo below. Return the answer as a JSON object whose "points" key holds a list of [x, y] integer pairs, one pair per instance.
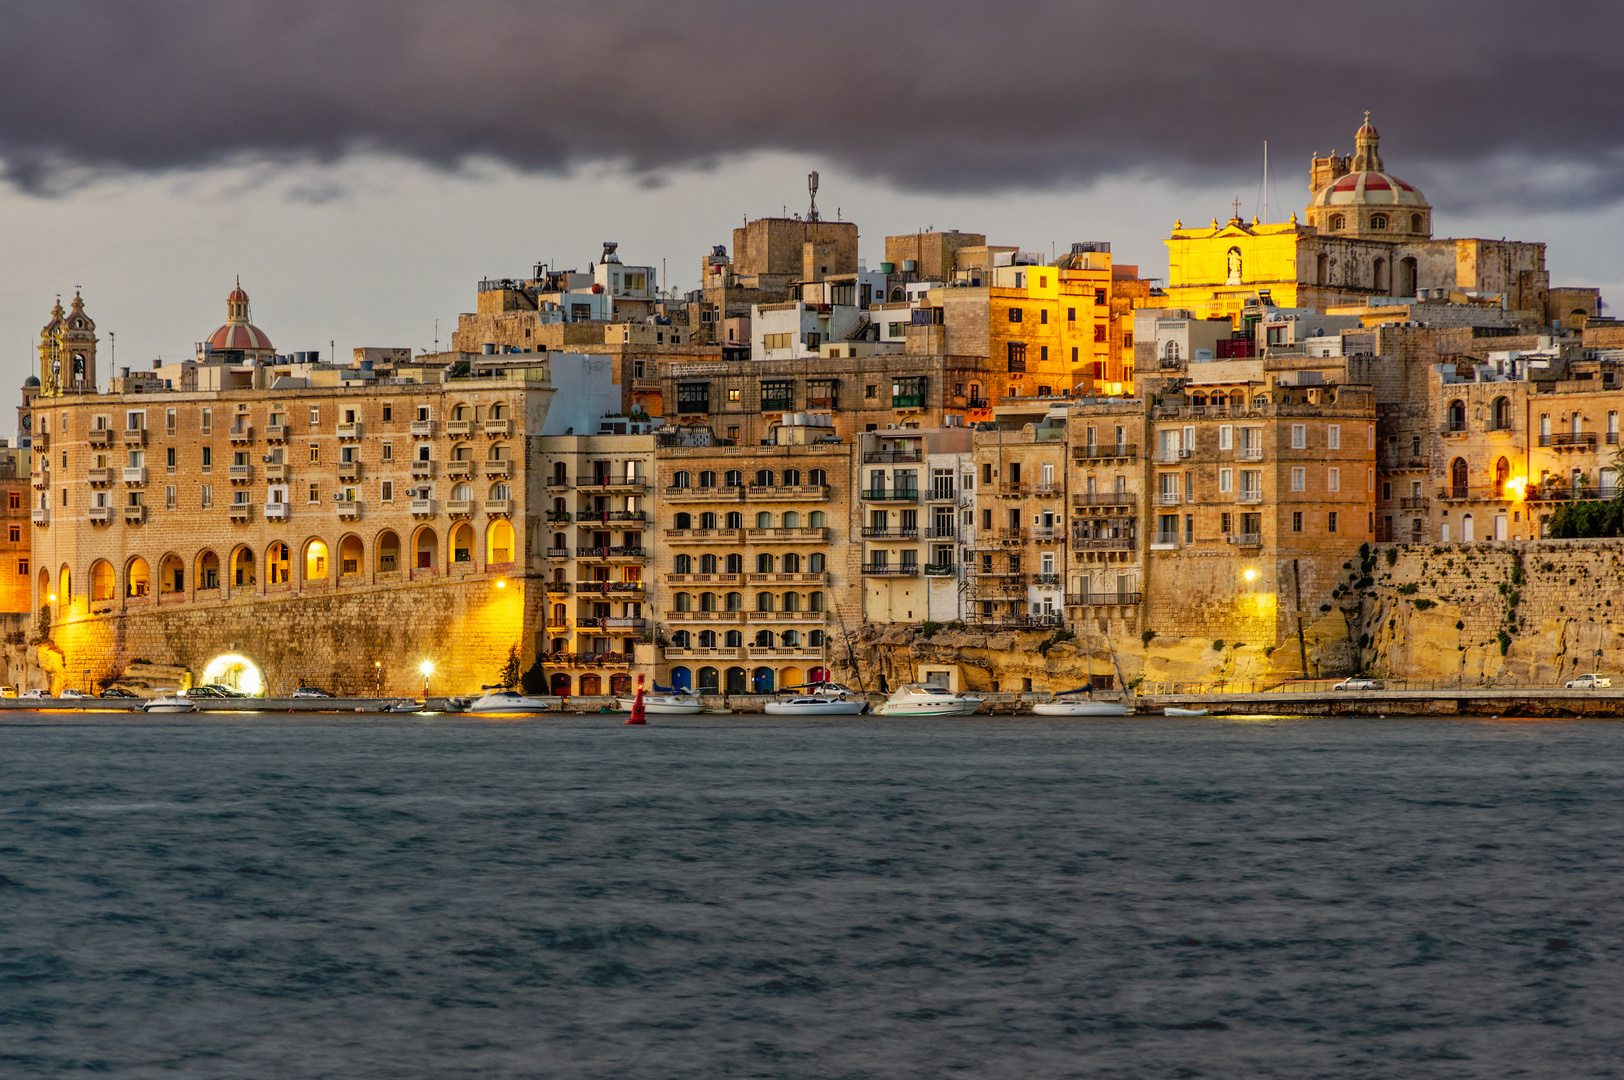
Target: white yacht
{"points": [[168, 701], [923, 699], [667, 702], [499, 699], [816, 705], [1073, 703]]}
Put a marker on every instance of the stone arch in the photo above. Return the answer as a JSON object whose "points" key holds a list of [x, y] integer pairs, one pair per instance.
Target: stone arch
{"points": [[102, 584], [137, 578], [278, 564], [207, 573], [559, 684], [1457, 477], [64, 585], [1457, 415], [242, 568], [387, 549], [1502, 473], [710, 680], [1500, 414], [351, 556], [1409, 275], [498, 543], [591, 685], [737, 681], [314, 561], [1379, 277], [171, 575], [497, 411], [1322, 269], [462, 544], [44, 587], [462, 411], [426, 549]]}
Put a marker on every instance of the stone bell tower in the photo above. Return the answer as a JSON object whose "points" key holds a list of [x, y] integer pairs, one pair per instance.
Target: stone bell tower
{"points": [[67, 351]]}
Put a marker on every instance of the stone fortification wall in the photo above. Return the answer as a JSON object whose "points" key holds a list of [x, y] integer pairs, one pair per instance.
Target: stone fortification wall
{"points": [[328, 639]]}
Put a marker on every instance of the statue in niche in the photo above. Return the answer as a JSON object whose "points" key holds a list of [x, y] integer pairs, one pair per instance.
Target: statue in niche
{"points": [[1234, 267]]}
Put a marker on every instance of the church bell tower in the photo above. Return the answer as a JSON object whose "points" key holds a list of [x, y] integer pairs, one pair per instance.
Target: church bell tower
{"points": [[67, 351]]}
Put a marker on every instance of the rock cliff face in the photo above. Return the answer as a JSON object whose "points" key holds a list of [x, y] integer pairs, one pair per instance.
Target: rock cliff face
{"points": [[1533, 611]]}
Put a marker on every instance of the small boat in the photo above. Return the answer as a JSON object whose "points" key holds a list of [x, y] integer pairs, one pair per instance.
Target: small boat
{"points": [[169, 701], [1066, 703], [502, 700], [1171, 711], [816, 705], [923, 699], [665, 701]]}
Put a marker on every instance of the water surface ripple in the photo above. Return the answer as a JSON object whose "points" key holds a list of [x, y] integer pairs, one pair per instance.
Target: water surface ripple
{"points": [[436, 897]]}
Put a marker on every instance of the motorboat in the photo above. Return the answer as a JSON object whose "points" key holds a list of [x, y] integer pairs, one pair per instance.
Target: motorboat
{"points": [[816, 705], [1072, 703], [667, 702], [923, 699], [500, 699], [1171, 711], [168, 701]]}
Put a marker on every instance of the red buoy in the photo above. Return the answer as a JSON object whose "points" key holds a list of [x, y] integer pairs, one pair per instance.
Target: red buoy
{"points": [[638, 716]]}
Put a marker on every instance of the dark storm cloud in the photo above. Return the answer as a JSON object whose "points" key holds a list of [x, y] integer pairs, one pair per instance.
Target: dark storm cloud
{"points": [[949, 95]]}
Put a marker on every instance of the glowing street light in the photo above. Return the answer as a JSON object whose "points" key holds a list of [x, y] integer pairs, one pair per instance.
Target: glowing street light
{"points": [[427, 669], [1250, 574]]}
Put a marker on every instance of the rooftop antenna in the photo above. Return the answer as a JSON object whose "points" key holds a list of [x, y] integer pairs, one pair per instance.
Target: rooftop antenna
{"points": [[1265, 181], [812, 186]]}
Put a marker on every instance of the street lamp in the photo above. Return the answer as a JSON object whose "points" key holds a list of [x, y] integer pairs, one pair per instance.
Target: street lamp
{"points": [[427, 669], [377, 683]]}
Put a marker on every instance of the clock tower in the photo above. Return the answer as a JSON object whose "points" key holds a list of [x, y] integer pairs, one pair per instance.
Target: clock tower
{"points": [[67, 351]]}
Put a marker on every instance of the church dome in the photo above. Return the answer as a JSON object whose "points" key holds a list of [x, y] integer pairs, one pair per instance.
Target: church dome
{"points": [[1356, 196], [31, 382], [1370, 189], [239, 334]]}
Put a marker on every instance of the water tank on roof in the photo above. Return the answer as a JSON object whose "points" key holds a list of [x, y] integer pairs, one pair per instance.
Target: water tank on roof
{"points": [[910, 265], [888, 268], [488, 349]]}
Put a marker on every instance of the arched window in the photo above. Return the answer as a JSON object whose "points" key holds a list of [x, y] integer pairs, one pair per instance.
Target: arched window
{"points": [[279, 562], [1415, 223], [242, 569], [1322, 269], [1378, 222], [1171, 352], [1381, 283], [733, 564], [684, 601], [462, 493], [683, 521], [208, 571], [1457, 415], [897, 295], [734, 601], [171, 575], [792, 601], [764, 520], [499, 493], [679, 479], [707, 639], [1501, 410], [499, 542], [764, 639], [707, 601], [498, 411], [790, 563], [461, 412], [764, 563], [707, 520], [709, 680], [790, 639], [1502, 473], [764, 478], [791, 520], [734, 478], [814, 601], [560, 473], [707, 479], [350, 555], [462, 543], [1338, 222], [1457, 478], [428, 550], [315, 561], [137, 578], [101, 580], [814, 639], [499, 452], [707, 563], [682, 564], [735, 520], [792, 477], [681, 639], [732, 639], [817, 478], [816, 519], [764, 601], [814, 562]]}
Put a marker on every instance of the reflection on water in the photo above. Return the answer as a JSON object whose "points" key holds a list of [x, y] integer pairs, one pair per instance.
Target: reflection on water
{"points": [[405, 896]]}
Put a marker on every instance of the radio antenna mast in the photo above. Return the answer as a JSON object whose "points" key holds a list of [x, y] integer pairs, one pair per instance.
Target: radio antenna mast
{"points": [[812, 186]]}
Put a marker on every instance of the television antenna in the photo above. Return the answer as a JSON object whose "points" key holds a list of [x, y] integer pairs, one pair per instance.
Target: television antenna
{"points": [[812, 187]]}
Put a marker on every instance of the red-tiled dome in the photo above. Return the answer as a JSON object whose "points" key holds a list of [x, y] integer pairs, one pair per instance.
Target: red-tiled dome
{"points": [[239, 334]]}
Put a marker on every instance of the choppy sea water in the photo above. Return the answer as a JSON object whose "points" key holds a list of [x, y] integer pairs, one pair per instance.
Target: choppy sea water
{"points": [[414, 897]]}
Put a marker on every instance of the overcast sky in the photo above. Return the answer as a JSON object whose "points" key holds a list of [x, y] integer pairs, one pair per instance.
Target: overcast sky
{"points": [[362, 163]]}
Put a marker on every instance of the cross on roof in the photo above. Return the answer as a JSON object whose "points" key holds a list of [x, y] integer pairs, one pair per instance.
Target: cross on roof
{"points": [[1237, 205]]}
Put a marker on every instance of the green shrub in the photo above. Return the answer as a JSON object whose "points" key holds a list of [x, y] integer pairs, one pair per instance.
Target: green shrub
{"points": [[1409, 590], [1218, 646], [1148, 636], [929, 629], [1505, 641], [1423, 604], [1392, 556]]}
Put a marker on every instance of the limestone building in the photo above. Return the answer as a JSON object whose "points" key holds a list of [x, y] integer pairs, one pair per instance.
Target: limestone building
{"points": [[908, 496]]}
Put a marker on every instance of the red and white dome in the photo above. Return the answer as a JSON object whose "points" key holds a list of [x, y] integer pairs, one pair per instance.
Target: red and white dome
{"points": [[239, 334], [1369, 189]]}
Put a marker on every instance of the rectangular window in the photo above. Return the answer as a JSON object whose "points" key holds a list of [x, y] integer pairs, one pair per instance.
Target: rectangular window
{"points": [[777, 341], [22, 567], [1299, 479], [387, 492], [1296, 521], [1226, 436], [1333, 480], [1043, 316], [1333, 437], [1330, 521], [735, 394], [1226, 523], [388, 413], [315, 493], [315, 416], [1071, 314], [169, 459], [208, 458], [1299, 436], [1014, 314], [388, 451], [15, 500], [206, 493], [1099, 333], [207, 423], [1226, 480], [1099, 297], [16, 534], [169, 421], [1017, 355], [315, 453], [1370, 479], [169, 496], [693, 397]]}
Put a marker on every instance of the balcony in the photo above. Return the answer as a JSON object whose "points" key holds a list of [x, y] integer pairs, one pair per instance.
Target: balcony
{"points": [[734, 652], [1103, 543], [705, 494], [642, 384], [99, 477], [890, 534], [785, 616], [41, 516], [349, 470], [897, 456], [624, 624], [1245, 539], [1119, 501], [240, 511], [135, 436], [455, 469], [1009, 488], [940, 493], [1570, 440], [784, 579], [278, 470], [276, 511], [1047, 534], [703, 579], [1249, 453], [938, 569], [702, 536], [1171, 457], [599, 659], [789, 493], [1165, 541], [799, 535], [827, 401], [557, 553], [907, 401], [276, 432], [101, 436], [1045, 581], [99, 515], [591, 519], [497, 469], [777, 404], [619, 552], [1414, 502], [459, 429], [705, 616], [1170, 498], [1046, 489], [1099, 452], [241, 435], [424, 508], [241, 474], [41, 478], [422, 429], [946, 532], [891, 495], [498, 507], [494, 428], [1250, 495], [611, 483], [134, 515], [1104, 599], [460, 507], [135, 475]]}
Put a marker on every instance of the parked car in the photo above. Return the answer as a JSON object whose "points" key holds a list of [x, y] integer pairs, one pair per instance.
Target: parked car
{"points": [[221, 690], [311, 691], [72, 693], [118, 692], [8, 691], [204, 691], [1359, 682], [1589, 682], [34, 694]]}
